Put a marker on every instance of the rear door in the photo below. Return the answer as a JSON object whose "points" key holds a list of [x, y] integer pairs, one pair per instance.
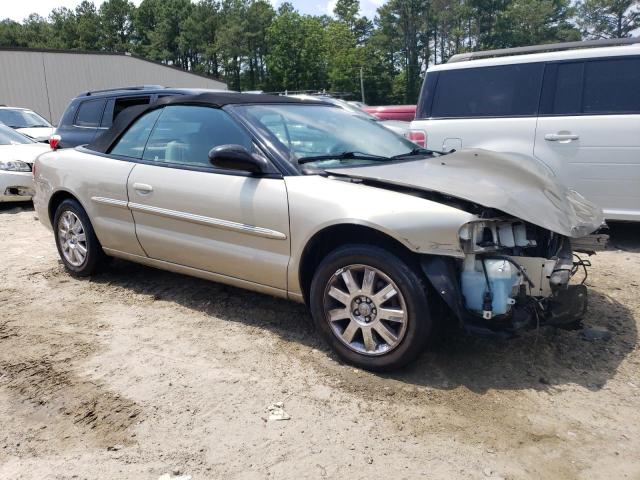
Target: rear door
{"points": [[189, 213], [589, 131], [491, 107]]}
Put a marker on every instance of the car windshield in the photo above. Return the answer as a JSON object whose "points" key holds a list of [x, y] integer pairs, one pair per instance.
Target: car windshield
{"points": [[336, 136], [354, 110], [11, 137], [22, 118]]}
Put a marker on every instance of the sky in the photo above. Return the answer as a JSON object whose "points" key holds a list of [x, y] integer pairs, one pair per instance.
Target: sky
{"points": [[18, 10]]}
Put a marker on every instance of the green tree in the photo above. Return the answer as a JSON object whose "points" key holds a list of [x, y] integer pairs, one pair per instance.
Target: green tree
{"points": [[36, 32], [532, 22], [232, 40], [347, 11], [165, 39], [143, 26], [63, 28], [260, 15], [11, 34], [87, 26], [116, 23], [284, 59], [402, 21], [608, 18], [343, 61]]}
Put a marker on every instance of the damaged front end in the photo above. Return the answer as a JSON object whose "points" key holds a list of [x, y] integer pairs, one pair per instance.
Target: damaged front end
{"points": [[514, 265], [514, 276]]}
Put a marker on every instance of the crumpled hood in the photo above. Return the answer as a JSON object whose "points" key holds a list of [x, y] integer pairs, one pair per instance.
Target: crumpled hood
{"points": [[513, 183]]}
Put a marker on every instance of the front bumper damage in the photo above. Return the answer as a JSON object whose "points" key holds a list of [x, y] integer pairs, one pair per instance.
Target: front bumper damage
{"points": [[561, 306], [16, 186]]}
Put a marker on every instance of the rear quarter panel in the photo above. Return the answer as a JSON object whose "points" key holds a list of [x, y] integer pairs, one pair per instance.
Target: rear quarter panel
{"points": [[100, 185]]}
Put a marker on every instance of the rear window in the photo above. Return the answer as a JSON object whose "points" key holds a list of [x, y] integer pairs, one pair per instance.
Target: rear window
{"points": [[90, 113], [611, 86], [501, 91]]}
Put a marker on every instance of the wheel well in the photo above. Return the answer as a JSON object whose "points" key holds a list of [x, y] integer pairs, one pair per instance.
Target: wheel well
{"points": [[335, 236], [56, 199]]}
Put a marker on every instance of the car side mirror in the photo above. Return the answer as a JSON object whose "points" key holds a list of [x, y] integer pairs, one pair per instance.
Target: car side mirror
{"points": [[237, 157]]}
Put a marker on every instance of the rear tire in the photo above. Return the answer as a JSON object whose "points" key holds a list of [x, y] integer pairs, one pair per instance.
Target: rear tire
{"points": [[371, 307], [78, 246]]}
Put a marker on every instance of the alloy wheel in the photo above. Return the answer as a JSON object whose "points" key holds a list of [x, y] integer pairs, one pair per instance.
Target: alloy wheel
{"points": [[365, 309], [72, 238]]}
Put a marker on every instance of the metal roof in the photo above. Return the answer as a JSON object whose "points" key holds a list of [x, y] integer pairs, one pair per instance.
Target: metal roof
{"points": [[101, 52]]}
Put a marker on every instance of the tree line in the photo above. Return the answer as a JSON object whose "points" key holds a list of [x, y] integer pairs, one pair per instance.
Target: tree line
{"points": [[253, 46]]}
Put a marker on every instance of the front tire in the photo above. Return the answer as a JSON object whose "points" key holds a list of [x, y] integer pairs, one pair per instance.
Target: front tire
{"points": [[371, 307], [78, 246]]}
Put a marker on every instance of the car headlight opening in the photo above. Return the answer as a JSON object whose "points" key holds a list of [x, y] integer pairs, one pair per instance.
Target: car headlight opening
{"points": [[15, 166]]}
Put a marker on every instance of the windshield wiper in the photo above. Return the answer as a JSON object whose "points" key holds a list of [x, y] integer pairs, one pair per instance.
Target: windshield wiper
{"points": [[420, 151], [344, 156]]}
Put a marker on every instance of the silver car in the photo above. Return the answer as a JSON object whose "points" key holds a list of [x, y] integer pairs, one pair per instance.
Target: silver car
{"points": [[382, 240]]}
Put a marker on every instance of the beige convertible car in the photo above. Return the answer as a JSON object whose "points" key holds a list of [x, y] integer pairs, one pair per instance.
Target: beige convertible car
{"points": [[299, 199]]}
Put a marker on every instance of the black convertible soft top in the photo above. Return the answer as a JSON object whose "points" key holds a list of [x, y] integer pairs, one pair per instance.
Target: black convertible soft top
{"points": [[104, 141]]}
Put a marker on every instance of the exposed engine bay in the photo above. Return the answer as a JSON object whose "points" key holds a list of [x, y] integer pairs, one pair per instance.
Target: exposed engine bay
{"points": [[514, 275], [513, 272]]}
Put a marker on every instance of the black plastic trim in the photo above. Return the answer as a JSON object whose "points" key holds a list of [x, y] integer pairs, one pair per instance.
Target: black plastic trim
{"points": [[179, 166]]}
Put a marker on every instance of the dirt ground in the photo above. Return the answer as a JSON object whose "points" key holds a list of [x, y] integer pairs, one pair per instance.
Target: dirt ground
{"points": [[136, 373]]}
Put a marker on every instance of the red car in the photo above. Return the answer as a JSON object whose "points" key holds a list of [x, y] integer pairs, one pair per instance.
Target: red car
{"points": [[393, 112]]}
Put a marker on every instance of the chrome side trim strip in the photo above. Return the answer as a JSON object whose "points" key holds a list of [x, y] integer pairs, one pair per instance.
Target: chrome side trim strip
{"points": [[110, 201], [209, 221]]}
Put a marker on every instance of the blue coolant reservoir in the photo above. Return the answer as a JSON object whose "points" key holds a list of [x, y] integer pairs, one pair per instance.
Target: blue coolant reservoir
{"points": [[502, 277]]}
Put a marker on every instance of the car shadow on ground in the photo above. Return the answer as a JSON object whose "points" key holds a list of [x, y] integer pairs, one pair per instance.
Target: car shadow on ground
{"points": [[624, 236], [535, 360], [15, 207]]}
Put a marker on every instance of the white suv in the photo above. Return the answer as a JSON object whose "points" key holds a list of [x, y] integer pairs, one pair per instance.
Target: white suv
{"points": [[575, 109]]}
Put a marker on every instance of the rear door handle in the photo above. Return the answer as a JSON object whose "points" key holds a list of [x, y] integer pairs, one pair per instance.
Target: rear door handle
{"points": [[142, 188], [561, 137]]}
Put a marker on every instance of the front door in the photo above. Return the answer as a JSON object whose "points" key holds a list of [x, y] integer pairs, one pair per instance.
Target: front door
{"points": [[189, 213], [589, 131]]}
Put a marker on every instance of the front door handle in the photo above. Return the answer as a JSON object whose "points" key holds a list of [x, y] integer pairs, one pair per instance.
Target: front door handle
{"points": [[561, 137], [142, 188]]}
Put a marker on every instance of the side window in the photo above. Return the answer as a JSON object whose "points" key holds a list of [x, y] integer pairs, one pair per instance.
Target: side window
{"points": [[184, 134], [132, 143], [89, 113], [501, 91], [566, 96], [117, 105], [612, 86]]}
